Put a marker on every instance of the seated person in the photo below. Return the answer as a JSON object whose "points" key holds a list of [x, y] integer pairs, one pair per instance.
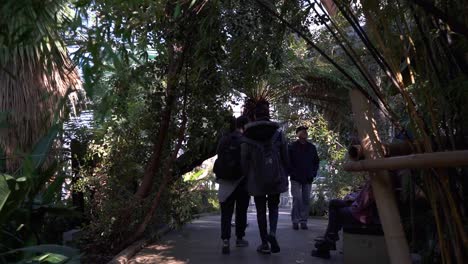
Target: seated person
{"points": [[355, 209]]}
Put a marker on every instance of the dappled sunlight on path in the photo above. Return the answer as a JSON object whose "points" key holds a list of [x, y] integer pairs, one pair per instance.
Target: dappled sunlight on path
{"points": [[199, 243]]}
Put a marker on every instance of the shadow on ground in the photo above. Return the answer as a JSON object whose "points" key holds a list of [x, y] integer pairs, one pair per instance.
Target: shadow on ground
{"points": [[199, 243]]}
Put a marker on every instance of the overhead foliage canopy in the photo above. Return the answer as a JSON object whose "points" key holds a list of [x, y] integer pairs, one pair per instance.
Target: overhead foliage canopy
{"points": [[162, 77]]}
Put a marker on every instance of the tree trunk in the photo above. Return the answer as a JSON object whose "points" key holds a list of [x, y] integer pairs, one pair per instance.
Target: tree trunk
{"points": [[166, 176], [78, 151], [176, 61]]}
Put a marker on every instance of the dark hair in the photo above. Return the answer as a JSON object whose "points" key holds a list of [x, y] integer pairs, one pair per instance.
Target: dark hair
{"points": [[241, 121], [232, 124], [301, 128], [257, 110]]}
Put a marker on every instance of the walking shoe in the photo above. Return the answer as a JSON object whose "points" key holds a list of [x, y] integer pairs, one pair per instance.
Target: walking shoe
{"points": [[242, 243], [275, 248], [264, 249], [295, 226], [226, 250], [325, 254], [319, 238], [325, 244], [304, 226], [333, 237]]}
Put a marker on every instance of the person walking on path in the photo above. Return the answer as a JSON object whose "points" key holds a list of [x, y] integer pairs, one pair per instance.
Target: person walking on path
{"points": [[304, 163], [232, 186], [264, 159]]}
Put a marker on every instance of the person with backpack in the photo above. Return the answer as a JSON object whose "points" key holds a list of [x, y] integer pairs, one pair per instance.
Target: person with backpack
{"points": [[232, 185], [304, 165], [264, 159]]}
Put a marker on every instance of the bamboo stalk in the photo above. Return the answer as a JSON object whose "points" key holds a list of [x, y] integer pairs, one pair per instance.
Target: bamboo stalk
{"points": [[449, 159], [395, 239]]}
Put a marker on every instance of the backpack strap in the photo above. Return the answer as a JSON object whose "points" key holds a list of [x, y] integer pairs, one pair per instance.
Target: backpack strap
{"points": [[275, 136], [273, 139], [250, 142]]}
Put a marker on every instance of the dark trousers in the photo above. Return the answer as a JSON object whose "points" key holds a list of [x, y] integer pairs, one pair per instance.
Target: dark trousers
{"points": [[240, 199], [339, 214], [261, 202]]}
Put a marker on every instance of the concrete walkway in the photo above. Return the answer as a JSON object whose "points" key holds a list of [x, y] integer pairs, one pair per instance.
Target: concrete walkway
{"points": [[199, 243]]}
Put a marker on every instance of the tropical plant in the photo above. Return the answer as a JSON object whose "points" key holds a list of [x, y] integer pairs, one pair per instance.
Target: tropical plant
{"points": [[27, 200], [161, 75], [35, 73]]}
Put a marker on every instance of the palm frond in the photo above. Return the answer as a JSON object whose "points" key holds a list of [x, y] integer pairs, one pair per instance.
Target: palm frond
{"points": [[35, 72]]}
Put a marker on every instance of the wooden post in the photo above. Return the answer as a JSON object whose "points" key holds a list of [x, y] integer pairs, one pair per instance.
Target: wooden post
{"points": [[395, 239]]}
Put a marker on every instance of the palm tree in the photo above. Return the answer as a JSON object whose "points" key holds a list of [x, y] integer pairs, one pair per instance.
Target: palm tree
{"points": [[36, 73]]}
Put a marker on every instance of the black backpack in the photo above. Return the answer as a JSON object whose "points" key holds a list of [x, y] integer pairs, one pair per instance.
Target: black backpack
{"points": [[228, 166], [265, 157]]}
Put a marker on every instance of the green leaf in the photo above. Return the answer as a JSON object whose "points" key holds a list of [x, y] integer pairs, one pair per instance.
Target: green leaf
{"points": [[51, 258], [4, 190], [192, 3], [42, 148], [21, 179], [47, 248], [53, 189], [177, 11]]}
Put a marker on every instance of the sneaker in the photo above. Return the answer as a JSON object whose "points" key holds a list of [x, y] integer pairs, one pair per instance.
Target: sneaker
{"points": [[332, 237], [275, 248], [264, 249], [304, 226], [325, 244], [226, 250], [319, 238], [325, 254], [242, 243], [295, 226]]}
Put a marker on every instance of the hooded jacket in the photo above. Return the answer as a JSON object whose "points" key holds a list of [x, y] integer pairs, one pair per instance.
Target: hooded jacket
{"points": [[258, 182]]}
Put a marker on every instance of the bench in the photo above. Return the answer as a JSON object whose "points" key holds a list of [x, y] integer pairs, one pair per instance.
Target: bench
{"points": [[364, 245]]}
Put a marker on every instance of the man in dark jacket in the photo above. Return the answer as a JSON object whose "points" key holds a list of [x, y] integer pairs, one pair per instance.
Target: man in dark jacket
{"points": [[264, 159], [304, 163]]}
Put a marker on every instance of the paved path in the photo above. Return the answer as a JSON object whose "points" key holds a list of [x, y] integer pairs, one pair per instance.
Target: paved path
{"points": [[199, 243]]}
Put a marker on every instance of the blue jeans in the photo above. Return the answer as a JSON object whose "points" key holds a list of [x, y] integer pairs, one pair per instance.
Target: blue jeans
{"points": [[301, 196]]}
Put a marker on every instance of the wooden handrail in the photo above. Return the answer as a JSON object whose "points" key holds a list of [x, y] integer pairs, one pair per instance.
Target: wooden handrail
{"points": [[355, 152], [447, 159]]}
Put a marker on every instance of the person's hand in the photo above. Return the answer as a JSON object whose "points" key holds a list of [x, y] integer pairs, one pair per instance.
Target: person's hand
{"points": [[350, 198]]}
